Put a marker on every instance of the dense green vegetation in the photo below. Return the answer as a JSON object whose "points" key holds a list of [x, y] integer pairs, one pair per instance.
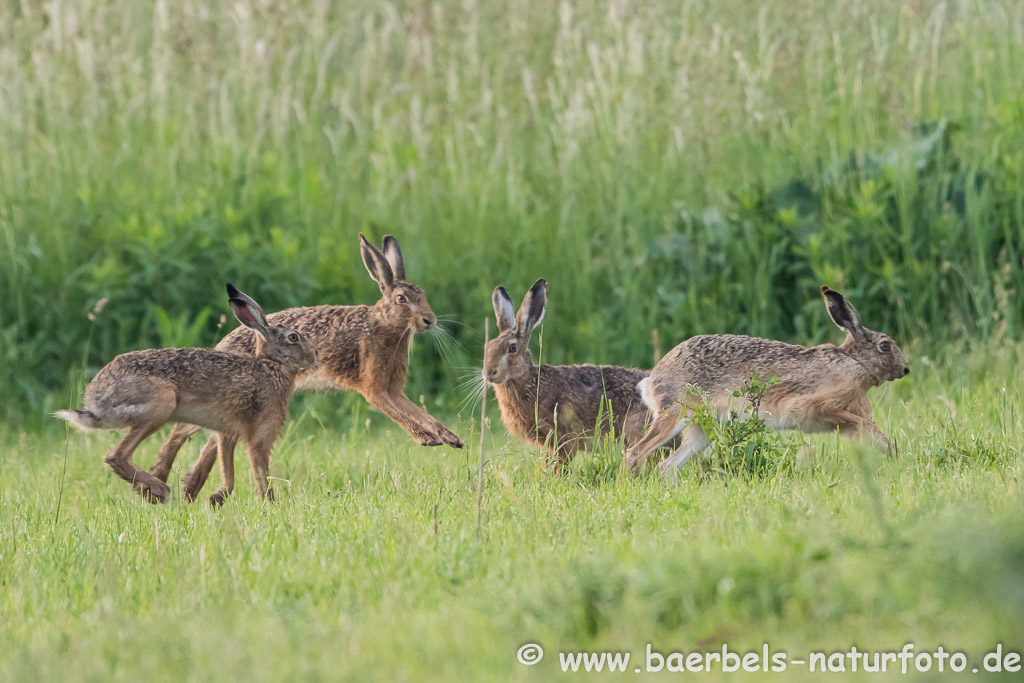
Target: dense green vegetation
{"points": [[679, 167]]}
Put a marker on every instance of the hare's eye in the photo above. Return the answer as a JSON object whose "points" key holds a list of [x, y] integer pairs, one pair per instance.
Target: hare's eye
{"points": [[511, 348], [400, 298], [293, 337], [885, 346]]}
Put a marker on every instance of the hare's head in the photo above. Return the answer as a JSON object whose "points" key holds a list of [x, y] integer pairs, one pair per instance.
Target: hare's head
{"points": [[875, 351], [402, 303], [280, 344], [507, 356]]}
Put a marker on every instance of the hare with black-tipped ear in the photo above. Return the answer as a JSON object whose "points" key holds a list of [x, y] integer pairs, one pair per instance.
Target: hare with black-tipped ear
{"points": [[242, 397], [819, 388], [561, 407], [362, 348]]}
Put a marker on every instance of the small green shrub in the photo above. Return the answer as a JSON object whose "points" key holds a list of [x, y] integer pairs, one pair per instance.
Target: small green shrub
{"points": [[741, 441]]}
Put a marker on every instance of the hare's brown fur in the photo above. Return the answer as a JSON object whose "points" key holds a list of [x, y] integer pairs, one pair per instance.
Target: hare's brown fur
{"points": [[560, 407], [361, 348], [241, 397], [819, 388], [573, 401]]}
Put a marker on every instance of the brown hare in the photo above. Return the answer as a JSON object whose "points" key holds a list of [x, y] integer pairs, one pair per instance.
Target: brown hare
{"points": [[820, 388], [361, 348], [242, 397], [556, 406]]}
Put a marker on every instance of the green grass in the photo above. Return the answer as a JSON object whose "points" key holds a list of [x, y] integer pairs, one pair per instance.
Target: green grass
{"points": [[370, 565]]}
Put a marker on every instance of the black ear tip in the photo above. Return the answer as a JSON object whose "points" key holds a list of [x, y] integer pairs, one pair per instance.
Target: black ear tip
{"points": [[825, 289], [232, 291], [362, 238]]}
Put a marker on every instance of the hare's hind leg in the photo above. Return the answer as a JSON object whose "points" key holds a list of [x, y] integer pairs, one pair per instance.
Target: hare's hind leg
{"points": [[150, 418], [694, 441], [665, 426], [226, 455], [120, 460], [180, 433]]}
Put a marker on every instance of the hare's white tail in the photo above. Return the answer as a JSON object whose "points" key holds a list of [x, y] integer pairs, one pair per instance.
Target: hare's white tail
{"points": [[81, 419], [644, 388]]}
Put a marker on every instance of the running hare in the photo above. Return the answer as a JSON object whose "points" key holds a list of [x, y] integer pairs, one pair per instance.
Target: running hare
{"points": [[362, 348], [556, 406], [240, 396], [820, 388]]}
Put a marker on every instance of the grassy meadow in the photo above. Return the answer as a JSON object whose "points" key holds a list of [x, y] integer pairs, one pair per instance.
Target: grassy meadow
{"points": [[371, 566], [671, 168]]}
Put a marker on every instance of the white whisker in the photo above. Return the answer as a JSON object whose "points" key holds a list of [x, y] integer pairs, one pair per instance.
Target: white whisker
{"points": [[442, 343], [476, 387], [451, 319], [447, 336]]}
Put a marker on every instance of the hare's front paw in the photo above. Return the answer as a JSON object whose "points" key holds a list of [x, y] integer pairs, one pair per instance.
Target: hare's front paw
{"points": [[425, 438], [153, 490], [218, 497], [450, 438], [191, 489]]}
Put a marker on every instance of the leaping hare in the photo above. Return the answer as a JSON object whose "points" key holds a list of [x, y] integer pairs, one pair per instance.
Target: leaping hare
{"points": [[820, 388], [362, 348], [556, 406], [239, 396]]}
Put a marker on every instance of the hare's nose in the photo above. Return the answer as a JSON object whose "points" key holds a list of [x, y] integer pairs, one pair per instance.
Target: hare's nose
{"points": [[906, 371], [427, 322]]}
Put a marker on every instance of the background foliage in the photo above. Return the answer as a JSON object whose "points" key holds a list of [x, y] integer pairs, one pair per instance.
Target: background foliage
{"points": [[674, 166]]}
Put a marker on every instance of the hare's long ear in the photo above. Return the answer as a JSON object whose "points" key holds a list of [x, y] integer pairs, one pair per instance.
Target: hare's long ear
{"points": [[376, 265], [843, 313], [247, 310], [531, 311], [393, 254], [503, 309]]}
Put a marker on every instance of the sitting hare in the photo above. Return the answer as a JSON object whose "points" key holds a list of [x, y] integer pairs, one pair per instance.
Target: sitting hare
{"points": [[820, 388], [242, 397], [557, 406]]}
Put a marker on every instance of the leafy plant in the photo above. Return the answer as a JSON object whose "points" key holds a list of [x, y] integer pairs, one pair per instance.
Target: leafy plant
{"points": [[179, 330], [742, 441]]}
